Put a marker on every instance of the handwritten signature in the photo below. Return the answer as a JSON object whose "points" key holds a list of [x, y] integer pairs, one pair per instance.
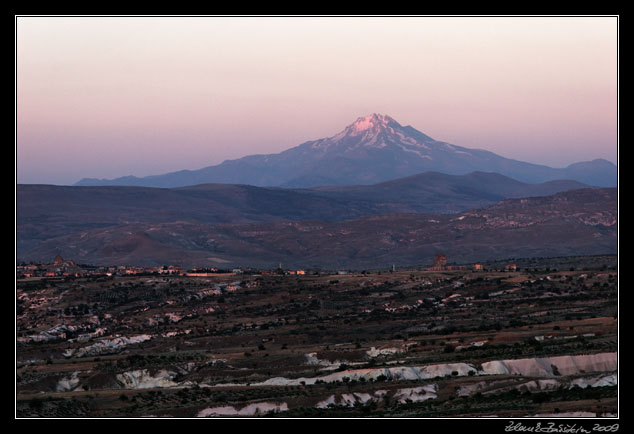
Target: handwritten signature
{"points": [[552, 427]]}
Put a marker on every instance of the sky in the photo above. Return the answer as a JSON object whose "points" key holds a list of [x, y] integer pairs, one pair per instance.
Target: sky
{"points": [[104, 97]]}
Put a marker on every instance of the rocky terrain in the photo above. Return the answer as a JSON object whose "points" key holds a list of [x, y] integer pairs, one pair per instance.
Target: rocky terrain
{"points": [[537, 341]]}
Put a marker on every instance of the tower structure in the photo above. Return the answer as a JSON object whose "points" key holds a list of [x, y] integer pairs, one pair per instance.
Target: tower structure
{"points": [[440, 260]]}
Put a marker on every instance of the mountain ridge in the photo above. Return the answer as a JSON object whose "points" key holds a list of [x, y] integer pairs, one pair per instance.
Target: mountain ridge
{"points": [[44, 211], [373, 149], [576, 222]]}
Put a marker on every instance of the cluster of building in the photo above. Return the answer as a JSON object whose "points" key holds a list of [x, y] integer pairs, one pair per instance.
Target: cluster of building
{"points": [[60, 268], [440, 264]]}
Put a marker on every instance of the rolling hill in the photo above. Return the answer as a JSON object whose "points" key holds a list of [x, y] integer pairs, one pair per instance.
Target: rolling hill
{"points": [[572, 223], [46, 211]]}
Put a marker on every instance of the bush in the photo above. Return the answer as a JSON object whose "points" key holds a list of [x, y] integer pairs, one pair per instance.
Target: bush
{"points": [[539, 398], [36, 404]]}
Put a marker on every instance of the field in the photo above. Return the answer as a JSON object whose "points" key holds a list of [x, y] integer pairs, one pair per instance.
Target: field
{"points": [[541, 340]]}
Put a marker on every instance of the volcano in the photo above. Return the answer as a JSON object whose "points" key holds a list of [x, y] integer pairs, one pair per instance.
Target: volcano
{"points": [[373, 149]]}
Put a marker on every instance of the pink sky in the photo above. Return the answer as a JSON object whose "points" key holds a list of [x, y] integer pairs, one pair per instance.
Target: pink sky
{"points": [[112, 96]]}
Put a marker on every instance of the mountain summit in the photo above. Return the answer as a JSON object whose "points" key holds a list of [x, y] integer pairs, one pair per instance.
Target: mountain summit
{"points": [[374, 131], [374, 148], [371, 124]]}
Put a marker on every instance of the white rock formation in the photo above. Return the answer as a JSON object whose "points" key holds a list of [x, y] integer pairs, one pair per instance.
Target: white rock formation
{"points": [[67, 384], [600, 381], [313, 360], [396, 373], [413, 394], [373, 352], [539, 385], [106, 346], [142, 379], [259, 408], [552, 366], [416, 394], [351, 399]]}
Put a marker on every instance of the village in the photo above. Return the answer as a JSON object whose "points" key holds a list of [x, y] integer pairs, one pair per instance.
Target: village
{"points": [[60, 268]]}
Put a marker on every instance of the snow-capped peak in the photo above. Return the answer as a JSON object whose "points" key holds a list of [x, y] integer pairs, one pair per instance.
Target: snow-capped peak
{"points": [[374, 131], [370, 122]]}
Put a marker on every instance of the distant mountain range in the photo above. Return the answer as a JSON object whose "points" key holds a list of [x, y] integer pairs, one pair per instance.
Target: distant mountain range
{"points": [[571, 223], [373, 149], [376, 194]]}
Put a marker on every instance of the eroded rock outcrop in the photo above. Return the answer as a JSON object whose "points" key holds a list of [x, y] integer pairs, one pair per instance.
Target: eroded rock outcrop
{"points": [[416, 394], [552, 366], [68, 383], [538, 385], [395, 373], [106, 346], [411, 394], [259, 408], [534, 367], [351, 399], [143, 379]]}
